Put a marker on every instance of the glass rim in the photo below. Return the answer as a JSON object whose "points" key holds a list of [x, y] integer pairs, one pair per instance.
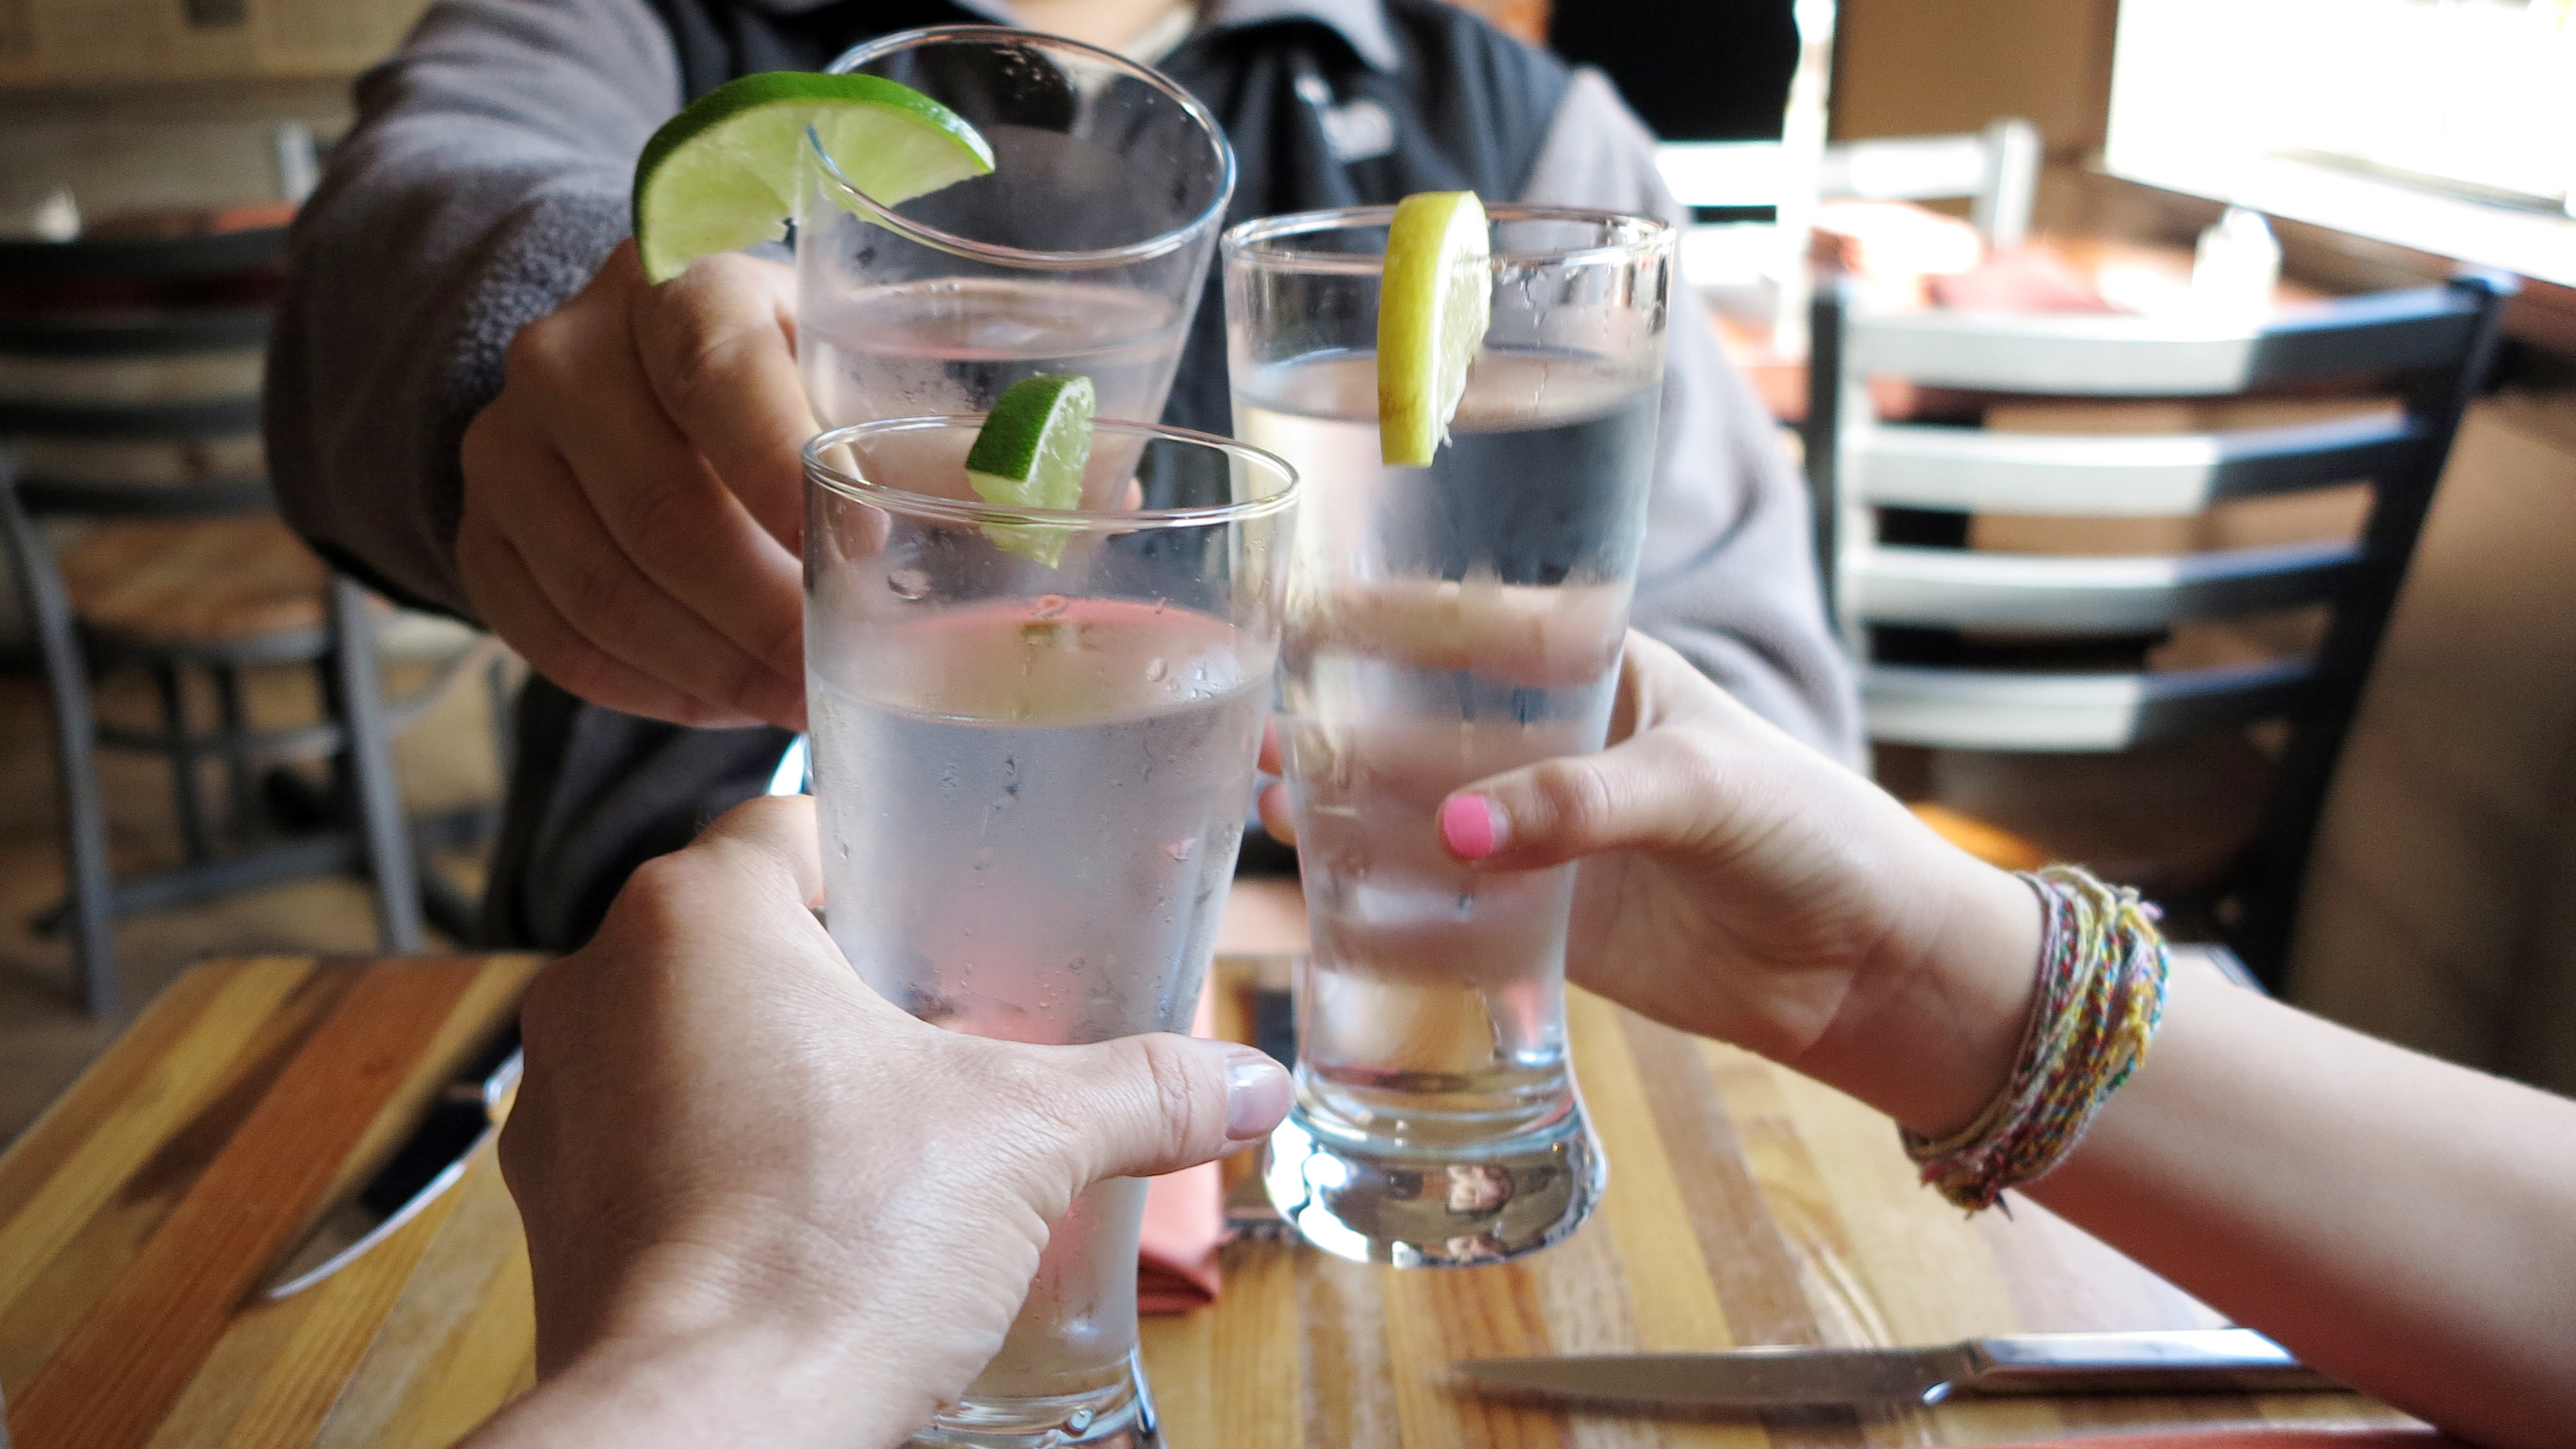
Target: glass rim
{"points": [[993, 252], [856, 489], [1250, 241]]}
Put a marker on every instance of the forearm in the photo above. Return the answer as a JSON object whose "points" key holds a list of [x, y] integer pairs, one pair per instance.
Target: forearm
{"points": [[2403, 1224], [483, 183], [764, 1390]]}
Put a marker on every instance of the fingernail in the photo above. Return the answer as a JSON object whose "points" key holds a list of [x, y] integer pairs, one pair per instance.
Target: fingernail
{"points": [[1256, 1094], [1467, 826]]}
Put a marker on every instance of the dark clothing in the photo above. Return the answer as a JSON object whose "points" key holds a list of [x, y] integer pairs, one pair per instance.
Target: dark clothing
{"points": [[487, 178]]}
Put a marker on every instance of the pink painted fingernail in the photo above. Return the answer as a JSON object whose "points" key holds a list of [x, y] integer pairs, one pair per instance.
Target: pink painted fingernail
{"points": [[1467, 826]]}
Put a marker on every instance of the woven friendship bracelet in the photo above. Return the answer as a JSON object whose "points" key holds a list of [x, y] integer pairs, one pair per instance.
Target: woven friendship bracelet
{"points": [[2101, 994]]}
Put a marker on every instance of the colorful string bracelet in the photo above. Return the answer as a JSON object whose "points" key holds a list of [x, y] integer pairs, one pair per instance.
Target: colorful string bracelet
{"points": [[2101, 994]]}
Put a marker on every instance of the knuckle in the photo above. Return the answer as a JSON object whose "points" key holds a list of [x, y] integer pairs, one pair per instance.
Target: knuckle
{"points": [[743, 685], [1703, 762], [656, 896], [536, 354], [1026, 1096], [665, 879], [610, 600], [696, 346], [1576, 795], [582, 671], [657, 520], [1173, 1073]]}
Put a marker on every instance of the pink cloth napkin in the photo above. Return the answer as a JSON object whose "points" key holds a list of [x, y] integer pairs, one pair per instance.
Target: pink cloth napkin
{"points": [[1184, 1223], [1176, 1253]]}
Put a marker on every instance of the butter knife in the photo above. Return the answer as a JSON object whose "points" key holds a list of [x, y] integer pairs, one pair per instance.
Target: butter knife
{"points": [[2224, 1360], [465, 1115]]}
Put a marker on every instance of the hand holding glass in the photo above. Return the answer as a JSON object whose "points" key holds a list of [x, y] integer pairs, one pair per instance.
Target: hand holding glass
{"points": [[1444, 624], [1032, 781]]}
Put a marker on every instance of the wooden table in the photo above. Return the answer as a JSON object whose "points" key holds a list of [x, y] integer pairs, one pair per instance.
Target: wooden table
{"points": [[1745, 1206]]}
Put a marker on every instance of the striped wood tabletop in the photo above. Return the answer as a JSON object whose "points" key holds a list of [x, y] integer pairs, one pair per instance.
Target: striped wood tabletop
{"points": [[1746, 1206]]}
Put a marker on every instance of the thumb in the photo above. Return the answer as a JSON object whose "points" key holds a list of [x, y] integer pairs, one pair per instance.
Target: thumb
{"points": [[1146, 1105], [1655, 792]]}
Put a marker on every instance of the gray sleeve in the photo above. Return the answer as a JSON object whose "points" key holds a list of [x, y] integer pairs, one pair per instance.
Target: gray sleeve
{"points": [[483, 183], [1729, 573]]}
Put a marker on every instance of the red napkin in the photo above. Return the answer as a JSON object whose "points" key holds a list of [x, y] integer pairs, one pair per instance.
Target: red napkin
{"points": [[1184, 1223], [2265, 1439], [1176, 1253]]}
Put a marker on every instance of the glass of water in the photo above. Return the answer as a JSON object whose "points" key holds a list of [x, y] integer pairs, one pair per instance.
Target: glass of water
{"points": [[1085, 250], [1031, 782], [1444, 624]]}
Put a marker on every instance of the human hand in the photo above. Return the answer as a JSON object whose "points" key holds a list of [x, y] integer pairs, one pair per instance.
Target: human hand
{"points": [[1737, 884], [634, 497], [763, 1203]]}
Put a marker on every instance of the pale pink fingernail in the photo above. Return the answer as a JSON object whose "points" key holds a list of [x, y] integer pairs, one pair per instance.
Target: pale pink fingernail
{"points": [[1467, 826], [1257, 1093]]}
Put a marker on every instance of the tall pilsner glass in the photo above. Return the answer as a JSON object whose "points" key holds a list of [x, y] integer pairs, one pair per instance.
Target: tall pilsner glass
{"points": [[1444, 623], [1032, 781], [1084, 251]]}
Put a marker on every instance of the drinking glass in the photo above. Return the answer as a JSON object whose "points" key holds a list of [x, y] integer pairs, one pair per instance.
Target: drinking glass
{"points": [[1444, 623], [1031, 782], [1085, 250]]}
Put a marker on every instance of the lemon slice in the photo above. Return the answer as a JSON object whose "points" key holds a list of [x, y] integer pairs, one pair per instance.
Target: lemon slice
{"points": [[1030, 454], [723, 173], [1433, 303]]}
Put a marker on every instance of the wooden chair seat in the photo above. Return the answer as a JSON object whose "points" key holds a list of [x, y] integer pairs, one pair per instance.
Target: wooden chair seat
{"points": [[194, 581]]}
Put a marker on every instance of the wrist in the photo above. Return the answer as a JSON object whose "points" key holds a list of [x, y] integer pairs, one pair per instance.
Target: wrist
{"points": [[753, 1384], [689, 1341], [1936, 1039]]}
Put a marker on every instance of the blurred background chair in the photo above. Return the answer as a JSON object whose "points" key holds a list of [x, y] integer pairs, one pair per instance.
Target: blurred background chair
{"points": [[1996, 171], [1742, 192], [1966, 648], [144, 537]]}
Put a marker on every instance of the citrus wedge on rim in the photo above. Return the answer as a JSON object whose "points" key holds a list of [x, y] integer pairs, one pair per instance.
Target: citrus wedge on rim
{"points": [[723, 173], [1030, 453], [1435, 297]]}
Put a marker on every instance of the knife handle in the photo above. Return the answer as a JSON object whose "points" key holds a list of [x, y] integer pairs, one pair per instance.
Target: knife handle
{"points": [[2187, 1361]]}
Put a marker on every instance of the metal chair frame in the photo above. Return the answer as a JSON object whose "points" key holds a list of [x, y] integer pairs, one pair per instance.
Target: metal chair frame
{"points": [[358, 723], [2439, 340]]}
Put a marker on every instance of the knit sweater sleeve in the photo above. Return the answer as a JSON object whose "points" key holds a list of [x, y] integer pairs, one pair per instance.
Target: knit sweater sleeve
{"points": [[483, 183], [1729, 572]]}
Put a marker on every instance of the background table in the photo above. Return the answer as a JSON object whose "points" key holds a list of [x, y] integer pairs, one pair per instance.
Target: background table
{"points": [[1745, 1206]]}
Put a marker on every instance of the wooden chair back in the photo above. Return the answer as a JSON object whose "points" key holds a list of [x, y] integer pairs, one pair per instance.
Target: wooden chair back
{"points": [[142, 301]]}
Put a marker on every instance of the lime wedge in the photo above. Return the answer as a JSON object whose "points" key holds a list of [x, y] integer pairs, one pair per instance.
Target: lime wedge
{"points": [[723, 173], [1030, 454], [1434, 300]]}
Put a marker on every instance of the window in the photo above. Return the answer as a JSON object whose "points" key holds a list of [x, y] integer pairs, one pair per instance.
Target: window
{"points": [[2447, 125]]}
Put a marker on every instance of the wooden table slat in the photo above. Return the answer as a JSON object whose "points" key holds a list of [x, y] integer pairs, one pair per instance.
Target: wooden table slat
{"points": [[112, 1380], [114, 1138], [1672, 1303]]}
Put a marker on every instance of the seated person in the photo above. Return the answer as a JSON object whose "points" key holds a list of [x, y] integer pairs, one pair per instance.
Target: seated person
{"points": [[714, 1260], [477, 404]]}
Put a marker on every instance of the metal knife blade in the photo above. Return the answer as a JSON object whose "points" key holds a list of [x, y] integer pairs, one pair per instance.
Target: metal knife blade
{"points": [[465, 1114], [2230, 1360]]}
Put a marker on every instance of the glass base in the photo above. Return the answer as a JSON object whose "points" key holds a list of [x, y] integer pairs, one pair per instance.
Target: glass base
{"points": [[1120, 1417], [1376, 1201]]}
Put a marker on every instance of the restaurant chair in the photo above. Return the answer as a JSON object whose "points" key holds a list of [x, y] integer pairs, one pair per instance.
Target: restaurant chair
{"points": [[143, 535], [1963, 649], [1739, 183]]}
